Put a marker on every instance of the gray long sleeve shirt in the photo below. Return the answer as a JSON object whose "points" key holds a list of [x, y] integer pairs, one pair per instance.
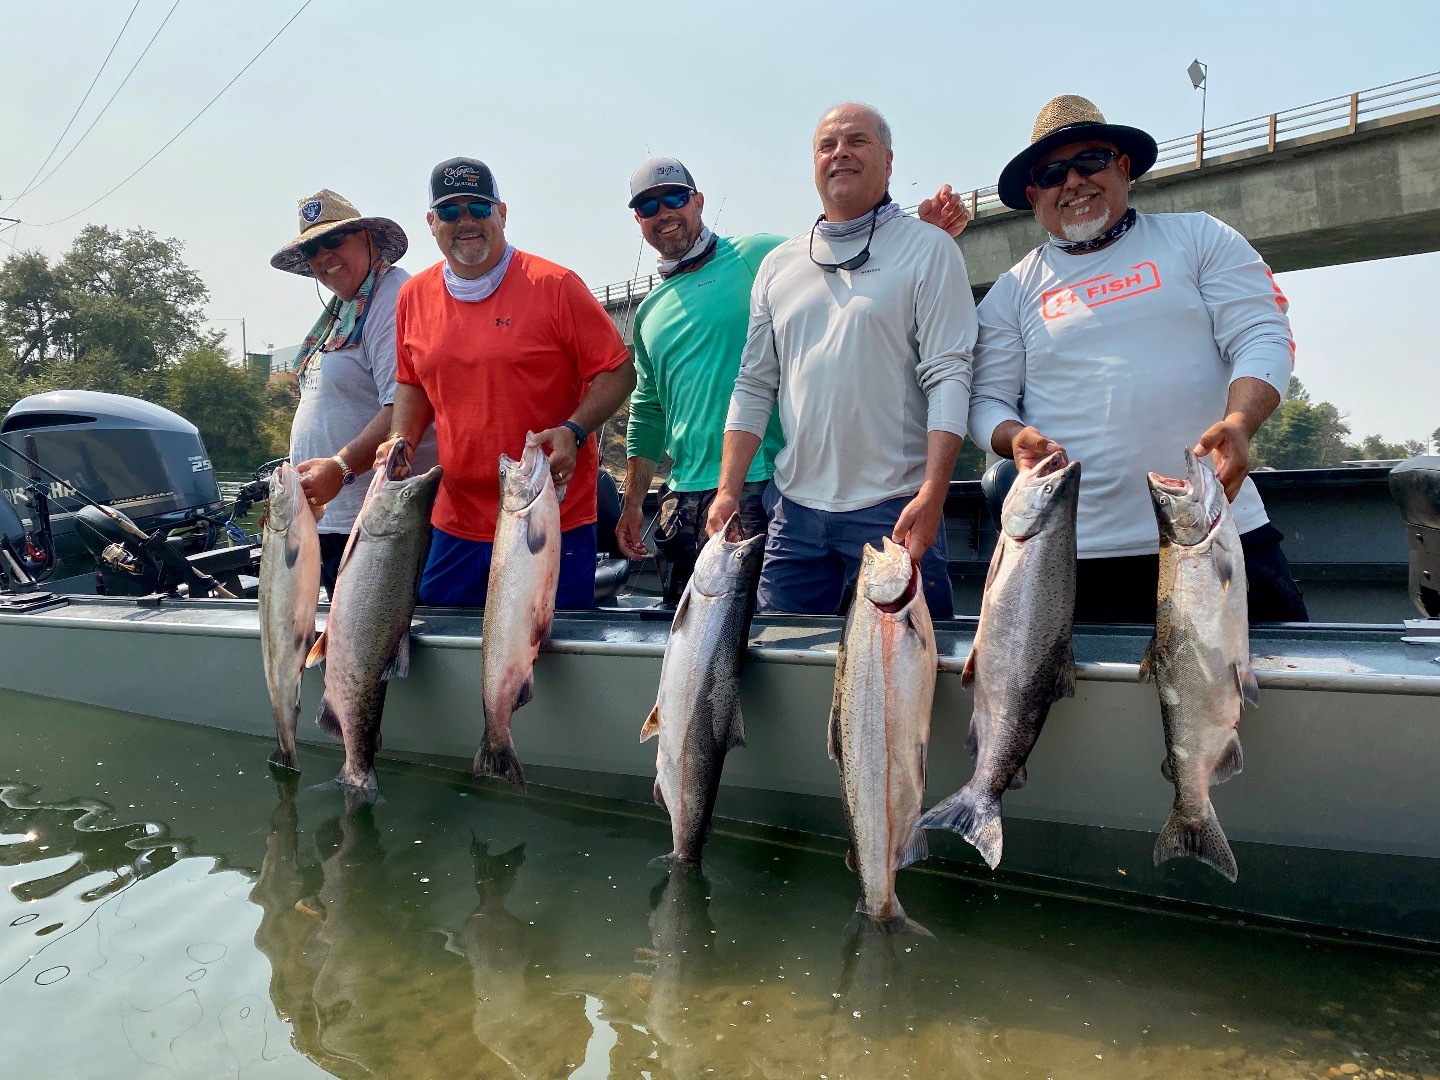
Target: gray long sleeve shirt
{"points": [[864, 363]]}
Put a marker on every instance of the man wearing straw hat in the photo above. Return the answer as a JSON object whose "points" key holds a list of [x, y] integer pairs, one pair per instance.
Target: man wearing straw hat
{"points": [[1120, 338], [346, 365]]}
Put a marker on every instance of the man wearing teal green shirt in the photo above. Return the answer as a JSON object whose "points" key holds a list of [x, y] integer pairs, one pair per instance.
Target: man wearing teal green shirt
{"points": [[689, 334]]}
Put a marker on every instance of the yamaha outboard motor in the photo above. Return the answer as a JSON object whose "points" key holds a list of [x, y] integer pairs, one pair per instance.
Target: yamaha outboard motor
{"points": [[1415, 485], [137, 457]]}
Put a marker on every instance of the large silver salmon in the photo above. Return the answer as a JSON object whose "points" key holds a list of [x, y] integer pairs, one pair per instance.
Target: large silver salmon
{"points": [[697, 711], [289, 593], [880, 723], [367, 634], [1021, 662], [1200, 657], [519, 604]]}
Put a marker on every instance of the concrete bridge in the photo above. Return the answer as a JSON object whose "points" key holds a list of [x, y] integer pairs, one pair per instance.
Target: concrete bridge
{"points": [[1345, 180]]}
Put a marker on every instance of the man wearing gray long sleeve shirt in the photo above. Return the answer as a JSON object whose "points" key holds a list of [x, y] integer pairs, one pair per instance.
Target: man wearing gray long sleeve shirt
{"points": [[1122, 337], [862, 329]]}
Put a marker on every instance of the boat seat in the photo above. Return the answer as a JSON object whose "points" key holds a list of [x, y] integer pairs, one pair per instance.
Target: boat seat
{"points": [[1415, 486], [996, 485], [607, 515]]}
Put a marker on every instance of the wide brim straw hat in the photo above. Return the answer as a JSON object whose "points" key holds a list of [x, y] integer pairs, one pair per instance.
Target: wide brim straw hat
{"points": [[324, 212], [1066, 119]]}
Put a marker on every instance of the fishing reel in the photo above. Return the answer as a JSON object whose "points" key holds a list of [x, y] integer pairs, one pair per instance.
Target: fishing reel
{"points": [[155, 560]]}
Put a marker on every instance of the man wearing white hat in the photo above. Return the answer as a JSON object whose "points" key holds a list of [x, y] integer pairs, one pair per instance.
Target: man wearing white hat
{"points": [[1121, 338], [688, 334], [346, 366]]}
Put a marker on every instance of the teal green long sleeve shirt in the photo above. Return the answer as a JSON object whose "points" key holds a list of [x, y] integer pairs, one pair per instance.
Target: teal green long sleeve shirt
{"points": [[689, 335]]}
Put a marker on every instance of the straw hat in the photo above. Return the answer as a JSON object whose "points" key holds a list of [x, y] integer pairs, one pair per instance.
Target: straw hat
{"points": [[324, 212], [1070, 118]]}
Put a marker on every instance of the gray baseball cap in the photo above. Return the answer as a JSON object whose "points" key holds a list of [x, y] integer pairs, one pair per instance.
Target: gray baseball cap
{"points": [[656, 173]]}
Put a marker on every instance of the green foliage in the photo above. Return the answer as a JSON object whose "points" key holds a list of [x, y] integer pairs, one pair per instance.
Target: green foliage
{"points": [[1301, 435], [225, 403], [970, 465]]}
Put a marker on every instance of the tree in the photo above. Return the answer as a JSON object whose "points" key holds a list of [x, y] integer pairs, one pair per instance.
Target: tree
{"points": [[1301, 434], [225, 403], [33, 311], [1416, 447], [1375, 448], [1435, 440]]}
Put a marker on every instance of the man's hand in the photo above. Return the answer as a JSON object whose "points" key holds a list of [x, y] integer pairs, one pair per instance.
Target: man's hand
{"points": [[722, 507], [945, 211], [560, 444], [1231, 446], [630, 531], [320, 479], [1029, 448], [920, 523], [382, 455]]}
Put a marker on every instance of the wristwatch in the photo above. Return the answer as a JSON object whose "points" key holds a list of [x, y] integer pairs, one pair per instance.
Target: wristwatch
{"points": [[345, 470], [578, 431]]}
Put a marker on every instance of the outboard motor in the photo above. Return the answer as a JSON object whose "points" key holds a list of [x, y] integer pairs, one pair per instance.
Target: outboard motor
{"points": [[1415, 485]]}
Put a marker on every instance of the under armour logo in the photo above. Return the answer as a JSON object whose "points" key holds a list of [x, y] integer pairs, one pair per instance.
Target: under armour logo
{"points": [[502, 322]]}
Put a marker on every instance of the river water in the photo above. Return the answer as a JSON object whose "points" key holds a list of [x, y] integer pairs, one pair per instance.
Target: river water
{"points": [[171, 909]]}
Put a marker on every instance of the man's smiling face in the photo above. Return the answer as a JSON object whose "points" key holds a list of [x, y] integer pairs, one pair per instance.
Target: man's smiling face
{"points": [[1082, 207], [344, 269], [673, 232], [852, 164]]}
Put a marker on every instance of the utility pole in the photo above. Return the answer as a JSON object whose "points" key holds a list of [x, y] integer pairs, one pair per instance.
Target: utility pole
{"points": [[1198, 73]]}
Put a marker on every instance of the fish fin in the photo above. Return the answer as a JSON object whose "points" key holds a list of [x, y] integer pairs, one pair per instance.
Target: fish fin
{"points": [[850, 862], [863, 924], [535, 536], [646, 956], [284, 759], [651, 727], [327, 719], [1149, 660], [292, 547], [399, 665], [526, 693], [974, 816], [1230, 763], [967, 674], [1226, 563], [1065, 676], [972, 739], [1249, 688], [916, 849], [1205, 842], [317, 651], [356, 795], [1019, 780], [736, 735], [1166, 769], [682, 609], [996, 558], [499, 761], [660, 797]]}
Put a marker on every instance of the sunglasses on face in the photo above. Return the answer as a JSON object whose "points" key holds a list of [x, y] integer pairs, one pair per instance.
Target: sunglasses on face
{"points": [[671, 200], [450, 212], [330, 241], [1086, 163]]}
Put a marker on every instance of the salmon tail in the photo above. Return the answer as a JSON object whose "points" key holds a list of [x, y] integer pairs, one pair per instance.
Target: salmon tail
{"points": [[284, 759], [916, 849], [862, 924], [326, 718], [974, 816], [500, 761], [1205, 842]]}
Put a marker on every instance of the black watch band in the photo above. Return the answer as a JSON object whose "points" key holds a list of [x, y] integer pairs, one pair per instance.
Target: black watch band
{"points": [[577, 430]]}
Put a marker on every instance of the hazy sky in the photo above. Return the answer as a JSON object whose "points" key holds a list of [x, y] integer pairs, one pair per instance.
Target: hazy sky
{"points": [[564, 99]]}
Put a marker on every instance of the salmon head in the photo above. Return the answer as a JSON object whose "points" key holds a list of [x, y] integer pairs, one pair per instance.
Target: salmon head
{"points": [[397, 500], [286, 500], [1040, 495], [728, 561], [889, 578], [1187, 511], [521, 482]]}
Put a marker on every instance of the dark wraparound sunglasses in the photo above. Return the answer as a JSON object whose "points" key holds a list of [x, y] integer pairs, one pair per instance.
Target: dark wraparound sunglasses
{"points": [[1086, 163], [671, 200], [855, 261], [450, 212], [330, 241]]}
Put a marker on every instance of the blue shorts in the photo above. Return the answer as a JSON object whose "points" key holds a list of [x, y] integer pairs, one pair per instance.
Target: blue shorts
{"points": [[457, 573], [812, 557]]}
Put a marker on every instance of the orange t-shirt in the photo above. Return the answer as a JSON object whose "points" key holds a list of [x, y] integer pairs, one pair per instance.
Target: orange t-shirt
{"points": [[519, 360]]}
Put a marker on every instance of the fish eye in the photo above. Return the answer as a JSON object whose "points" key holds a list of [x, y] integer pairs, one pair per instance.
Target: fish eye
{"points": [[1049, 488], [1164, 500]]}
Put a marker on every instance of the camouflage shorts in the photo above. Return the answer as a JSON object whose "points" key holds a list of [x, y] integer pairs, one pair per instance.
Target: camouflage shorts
{"points": [[680, 529]]}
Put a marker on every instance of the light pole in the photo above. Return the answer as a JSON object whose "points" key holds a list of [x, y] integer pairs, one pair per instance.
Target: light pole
{"points": [[244, 351], [1197, 72]]}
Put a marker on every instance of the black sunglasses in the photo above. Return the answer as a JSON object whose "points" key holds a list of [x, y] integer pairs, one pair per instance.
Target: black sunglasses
{"points": [[330, 241], [671, 200], [1086, 163], [450, 212], [855, 261]]}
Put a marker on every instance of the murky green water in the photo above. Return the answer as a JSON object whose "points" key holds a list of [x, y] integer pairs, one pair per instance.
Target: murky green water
{"points": [[170, 909]]}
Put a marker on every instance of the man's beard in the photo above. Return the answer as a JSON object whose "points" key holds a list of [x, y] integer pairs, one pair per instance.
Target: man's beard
{"points": [[677, 245], [462, 251], [1082, 231]]}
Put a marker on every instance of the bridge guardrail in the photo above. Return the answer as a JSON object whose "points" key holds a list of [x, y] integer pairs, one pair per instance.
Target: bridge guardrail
{"points": [[1341, 114]]}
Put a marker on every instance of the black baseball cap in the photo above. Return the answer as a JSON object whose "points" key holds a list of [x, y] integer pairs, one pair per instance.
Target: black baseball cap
{"points": [[462, 176]]}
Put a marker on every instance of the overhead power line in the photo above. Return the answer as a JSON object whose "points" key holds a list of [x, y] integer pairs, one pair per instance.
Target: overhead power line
{"points": [[59, 164], [84, 99], [263, 49]]}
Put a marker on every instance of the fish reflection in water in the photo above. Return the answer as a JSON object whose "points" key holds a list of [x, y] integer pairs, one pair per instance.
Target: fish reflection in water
{"points": [[875, 998], [535, 1030], [680, 960]]}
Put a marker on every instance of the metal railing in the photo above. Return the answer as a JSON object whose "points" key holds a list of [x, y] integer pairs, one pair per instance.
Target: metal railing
{"points": [[1339, 115]]}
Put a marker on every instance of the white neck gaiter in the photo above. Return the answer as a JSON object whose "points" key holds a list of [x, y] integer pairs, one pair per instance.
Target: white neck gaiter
{"points": [[471, 290]]}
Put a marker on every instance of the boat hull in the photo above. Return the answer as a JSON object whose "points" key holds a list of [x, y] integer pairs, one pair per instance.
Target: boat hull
{"points": [[1332, 821]]}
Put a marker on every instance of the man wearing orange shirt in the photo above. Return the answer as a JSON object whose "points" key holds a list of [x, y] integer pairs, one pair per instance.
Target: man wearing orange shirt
{"points": [[492, 343]]}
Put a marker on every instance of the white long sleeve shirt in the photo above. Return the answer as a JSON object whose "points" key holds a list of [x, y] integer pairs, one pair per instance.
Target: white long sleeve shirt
{"points": [[864, 363], [1125, 356]]}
